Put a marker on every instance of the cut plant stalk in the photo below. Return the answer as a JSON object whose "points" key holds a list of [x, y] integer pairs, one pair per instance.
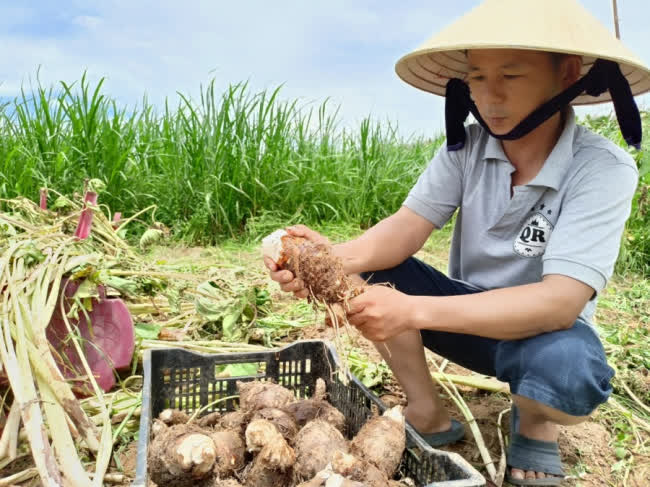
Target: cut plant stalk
{"points": [[491, 385], [18, 478], [455, 396], [126, 221], [43, 199], [42, 307], [35, 318], [205, 346], [85, 222], [28, 304], [105, 449], [64, 446], [501, 471], [9, 439], [5, 462], [22, 385], [634, 397], [116, 220], [115, 478], [63, 442]]}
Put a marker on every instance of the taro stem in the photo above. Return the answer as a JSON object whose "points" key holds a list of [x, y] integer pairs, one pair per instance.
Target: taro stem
{"points": [[26, 318], [43, 301], [43, 202], [9, 438], [22, 385], [116, 220], [86, 218]]}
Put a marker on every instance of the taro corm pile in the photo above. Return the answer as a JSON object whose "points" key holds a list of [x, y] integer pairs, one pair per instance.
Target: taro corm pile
{"points": [[275, 440]]}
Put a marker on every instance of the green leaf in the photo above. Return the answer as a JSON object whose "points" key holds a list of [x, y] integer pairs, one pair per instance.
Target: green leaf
{"points": [[173, 296], [147, 331], [61, 203], [125, 286], [150, 237], [87, 289], [30, 254], [644, 165], [231, 327], [238, 370], [262, 297], [214, 304], [96, 185], [231, 332], [7, 230]]}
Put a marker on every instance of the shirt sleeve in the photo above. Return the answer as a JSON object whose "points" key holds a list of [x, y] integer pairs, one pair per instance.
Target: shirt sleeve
{"points": [[438, 191], [586, 239]]}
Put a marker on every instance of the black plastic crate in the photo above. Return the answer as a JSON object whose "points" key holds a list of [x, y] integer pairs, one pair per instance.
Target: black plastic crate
{"points": [[186, 380]]}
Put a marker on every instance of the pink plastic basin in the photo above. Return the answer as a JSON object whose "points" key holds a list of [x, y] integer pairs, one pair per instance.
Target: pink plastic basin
{"points": [[108, 343]]}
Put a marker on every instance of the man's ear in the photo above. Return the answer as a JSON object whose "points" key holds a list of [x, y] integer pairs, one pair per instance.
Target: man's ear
{"points": [[570, 68]]}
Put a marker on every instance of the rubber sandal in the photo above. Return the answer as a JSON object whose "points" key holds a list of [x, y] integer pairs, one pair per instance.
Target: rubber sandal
{"points": [[452, 435], [532, 455]]}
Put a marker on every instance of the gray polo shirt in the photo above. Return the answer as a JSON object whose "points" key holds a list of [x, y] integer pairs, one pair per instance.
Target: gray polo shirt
{"points": [[568, 220]]}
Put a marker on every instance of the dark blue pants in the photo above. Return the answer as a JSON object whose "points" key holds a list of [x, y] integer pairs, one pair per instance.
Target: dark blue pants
{"points": [[566, 370]]}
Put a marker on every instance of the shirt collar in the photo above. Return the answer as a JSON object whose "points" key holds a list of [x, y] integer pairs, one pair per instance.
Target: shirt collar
{"points": [[552, 172], [494, 149]]}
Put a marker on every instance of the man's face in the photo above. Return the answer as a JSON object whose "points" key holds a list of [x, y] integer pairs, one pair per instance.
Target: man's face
{"points": [[508, 84]]}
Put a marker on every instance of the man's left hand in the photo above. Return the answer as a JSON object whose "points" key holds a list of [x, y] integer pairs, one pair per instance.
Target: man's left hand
{"points": [[381, 312]]}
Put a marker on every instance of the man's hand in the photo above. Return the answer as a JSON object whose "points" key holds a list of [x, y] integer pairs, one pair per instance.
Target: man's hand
{"points": [[381, 313], [286, 279]]}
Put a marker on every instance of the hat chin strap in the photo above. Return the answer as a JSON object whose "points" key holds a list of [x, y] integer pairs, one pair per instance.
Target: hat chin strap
{"points": [[603, 75]]}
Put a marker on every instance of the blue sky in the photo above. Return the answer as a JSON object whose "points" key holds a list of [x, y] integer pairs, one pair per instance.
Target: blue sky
{"points": [[336, 49]]}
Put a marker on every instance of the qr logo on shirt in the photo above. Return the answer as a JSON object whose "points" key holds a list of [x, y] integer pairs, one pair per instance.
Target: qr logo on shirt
{"points": [[533, 237]]}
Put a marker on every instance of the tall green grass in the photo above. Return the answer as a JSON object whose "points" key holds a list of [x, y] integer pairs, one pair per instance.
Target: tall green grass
{"points": [[216, 166], [232, 163]]}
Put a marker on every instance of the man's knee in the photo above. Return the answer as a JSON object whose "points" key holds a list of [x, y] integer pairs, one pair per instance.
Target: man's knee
{"points": [[566, 371]]}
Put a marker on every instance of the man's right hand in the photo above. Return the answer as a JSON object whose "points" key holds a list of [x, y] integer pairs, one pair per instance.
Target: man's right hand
{"points": [[285, 278]]}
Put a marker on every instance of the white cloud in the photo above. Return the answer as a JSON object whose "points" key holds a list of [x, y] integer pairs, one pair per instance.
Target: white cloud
{"points": [[338, 49], [88, 21]]}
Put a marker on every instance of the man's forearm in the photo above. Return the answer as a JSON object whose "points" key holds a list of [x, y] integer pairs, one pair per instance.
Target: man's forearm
{"points": [[370, 251], [504, 314], [385, 245]]}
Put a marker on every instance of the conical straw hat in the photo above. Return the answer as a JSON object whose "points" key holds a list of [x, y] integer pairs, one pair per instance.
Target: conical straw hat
{"points": [[562, 26]]}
